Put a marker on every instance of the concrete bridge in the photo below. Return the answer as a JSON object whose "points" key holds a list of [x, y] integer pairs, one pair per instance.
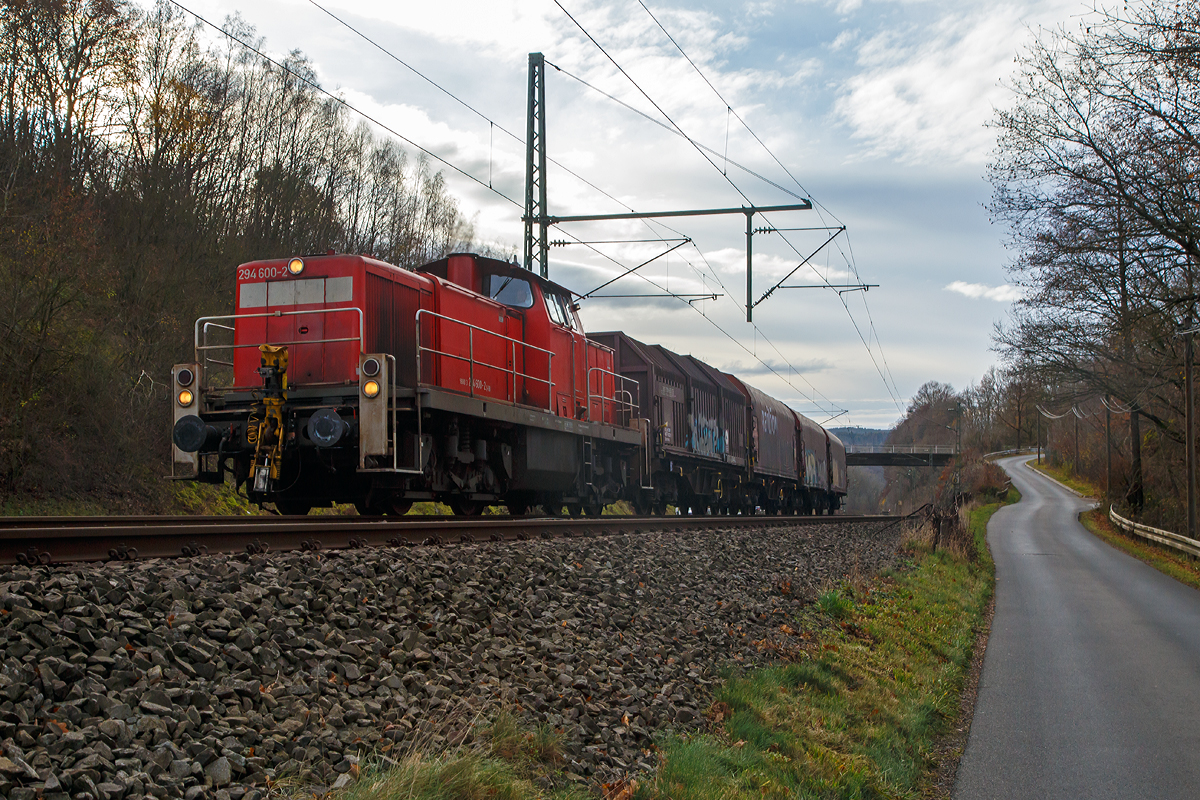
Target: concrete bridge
{"points": [[900, 455]]}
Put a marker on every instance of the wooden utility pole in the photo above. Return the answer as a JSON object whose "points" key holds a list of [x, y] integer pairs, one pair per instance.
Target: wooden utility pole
{"points": [[1107, 450], [1075, 468], [1189, 400], [1189, 411]]}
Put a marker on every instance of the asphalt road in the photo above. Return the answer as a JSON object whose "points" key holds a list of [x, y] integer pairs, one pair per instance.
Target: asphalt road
{"points": [[1091, 682]]}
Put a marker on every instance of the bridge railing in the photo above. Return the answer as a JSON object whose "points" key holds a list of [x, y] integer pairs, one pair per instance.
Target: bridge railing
{"points": [[904, 449]]}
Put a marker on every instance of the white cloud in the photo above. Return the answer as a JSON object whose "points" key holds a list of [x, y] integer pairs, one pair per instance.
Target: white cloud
{"points": [[925, 91], [844, 39], [1005, 293], [827, 84]]}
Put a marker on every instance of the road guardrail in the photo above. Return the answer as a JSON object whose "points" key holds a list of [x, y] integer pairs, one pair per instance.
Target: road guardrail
{"points": [[1173, 540]]}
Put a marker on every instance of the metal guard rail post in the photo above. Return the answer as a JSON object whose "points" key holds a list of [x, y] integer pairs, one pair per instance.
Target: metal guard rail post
{"points": [[1173, 540], [470, 357]]}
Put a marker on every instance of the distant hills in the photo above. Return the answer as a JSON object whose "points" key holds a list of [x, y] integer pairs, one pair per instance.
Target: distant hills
{"points": [[856, 435]]}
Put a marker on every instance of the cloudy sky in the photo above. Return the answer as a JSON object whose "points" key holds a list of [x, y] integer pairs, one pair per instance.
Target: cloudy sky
{"points": [[877, 109]]}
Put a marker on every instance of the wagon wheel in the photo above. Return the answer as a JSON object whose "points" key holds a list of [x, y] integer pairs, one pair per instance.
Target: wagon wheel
{"points": [[398, 507], [659, 509], [465, 508], [517, 508], [553, 508], [594, 509]]}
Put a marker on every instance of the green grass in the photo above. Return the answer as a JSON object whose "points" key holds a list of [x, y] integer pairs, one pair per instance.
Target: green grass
{"points": [[859, 713], [509, 763], [1064, 475], [205, 499], [169, 497], [463, 775], [1167, 561]]}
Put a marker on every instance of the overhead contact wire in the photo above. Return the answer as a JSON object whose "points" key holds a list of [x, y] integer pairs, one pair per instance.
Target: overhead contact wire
{"points": [[848, 259], [317, 87], [644, 94], [341, 101], [700, 149]]}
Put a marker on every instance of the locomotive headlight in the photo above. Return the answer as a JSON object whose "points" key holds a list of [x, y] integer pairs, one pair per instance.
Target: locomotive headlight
{"points": [[296, 266], [186, 397], [371, 388], [185, 377]]}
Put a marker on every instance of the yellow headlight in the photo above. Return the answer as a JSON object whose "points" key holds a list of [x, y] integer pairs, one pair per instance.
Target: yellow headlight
{"points": [[371, 388], [186, 397], [296, 266]]}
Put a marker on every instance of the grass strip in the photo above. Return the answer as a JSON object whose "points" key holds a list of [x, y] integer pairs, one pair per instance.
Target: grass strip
{"points": [[1067, 478], [859, 712], [508, 763], [1170, 562], [1166, 560], [856, 710]]}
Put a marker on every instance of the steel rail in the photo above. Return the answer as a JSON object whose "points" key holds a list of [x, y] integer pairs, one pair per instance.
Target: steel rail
{"points": [[127, 538], [265, 520]]}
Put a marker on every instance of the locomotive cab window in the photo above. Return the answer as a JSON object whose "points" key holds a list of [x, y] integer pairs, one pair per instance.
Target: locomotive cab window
{"points": [[511, 291], [560, 309]]}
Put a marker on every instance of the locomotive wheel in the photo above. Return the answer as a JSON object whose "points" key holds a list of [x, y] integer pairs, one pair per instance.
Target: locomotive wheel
{"points": [[574, 509], [398, 508], [553, 509], [293, 507], [659, 509], [465, 508], [594, 509], [517, 509]]}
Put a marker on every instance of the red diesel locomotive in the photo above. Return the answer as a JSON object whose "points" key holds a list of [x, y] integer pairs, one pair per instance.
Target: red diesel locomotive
{"points": [[471, 381]]}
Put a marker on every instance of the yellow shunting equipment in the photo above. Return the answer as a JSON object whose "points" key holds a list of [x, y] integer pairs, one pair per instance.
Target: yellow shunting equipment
{"points": [[268, 436]]}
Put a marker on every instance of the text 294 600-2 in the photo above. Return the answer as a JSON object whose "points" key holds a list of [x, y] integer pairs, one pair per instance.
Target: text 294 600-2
{"points": [[263, 272]]}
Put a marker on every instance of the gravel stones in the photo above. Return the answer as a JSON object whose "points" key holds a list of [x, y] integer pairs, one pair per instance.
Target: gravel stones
{"points": [[210, 676]]}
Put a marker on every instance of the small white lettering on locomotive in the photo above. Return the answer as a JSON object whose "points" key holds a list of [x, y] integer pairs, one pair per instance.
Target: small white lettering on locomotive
{"points": [[263, 272], [480, 384]]}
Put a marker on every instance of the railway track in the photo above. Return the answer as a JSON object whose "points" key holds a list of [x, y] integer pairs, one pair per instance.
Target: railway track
{"points": [[54, 540]]}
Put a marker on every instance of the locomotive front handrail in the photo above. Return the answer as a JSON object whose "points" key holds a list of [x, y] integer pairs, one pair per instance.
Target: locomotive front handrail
{"points": [[626, 405], [471, 361], [210, 322]]}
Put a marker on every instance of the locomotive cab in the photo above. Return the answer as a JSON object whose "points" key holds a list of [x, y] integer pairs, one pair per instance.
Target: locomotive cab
{"points": [[345, 379]]}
